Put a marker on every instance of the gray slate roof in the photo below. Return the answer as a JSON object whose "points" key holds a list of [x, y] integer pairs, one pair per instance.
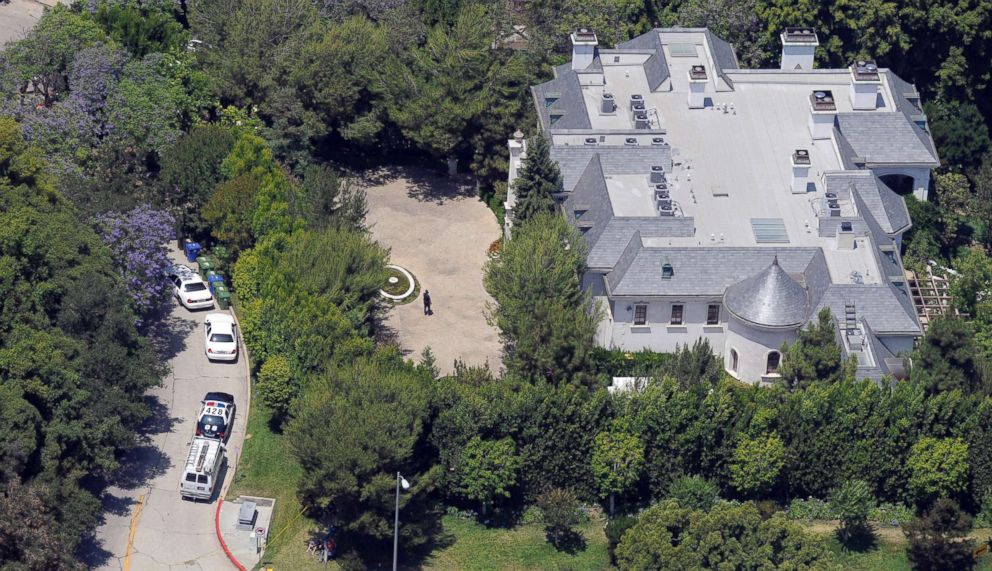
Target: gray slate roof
{"points": [[887, 207], [570, 102], [573, 159], [590, 193], [656, 66], [608, 247], [899, 88], [877, 304], [884, 138], [698, 270], [770, 298], [723, 55]]}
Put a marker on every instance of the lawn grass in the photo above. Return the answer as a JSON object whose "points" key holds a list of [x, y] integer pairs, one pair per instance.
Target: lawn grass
{"points": [[477, 548], [267, 469], [889, 553]]}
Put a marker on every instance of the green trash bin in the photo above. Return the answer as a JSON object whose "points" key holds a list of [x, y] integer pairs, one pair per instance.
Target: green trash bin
{"points": [[205, 266], [223, 296]]}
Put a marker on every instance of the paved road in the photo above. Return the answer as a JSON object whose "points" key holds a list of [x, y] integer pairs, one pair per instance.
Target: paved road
{"points": [[167, 532], [441, 233]]}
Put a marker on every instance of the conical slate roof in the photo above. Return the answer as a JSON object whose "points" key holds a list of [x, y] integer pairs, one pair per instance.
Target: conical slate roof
{"points": [[770, 298]]}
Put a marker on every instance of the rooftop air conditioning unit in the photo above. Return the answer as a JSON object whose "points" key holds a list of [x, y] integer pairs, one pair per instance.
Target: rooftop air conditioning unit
{"points": [[641, 121], [657, 174], [591, 141], [636, 99], [834, 208], [630, 142], [666, 210], [662, 194], [657, 141], [609, 105]]}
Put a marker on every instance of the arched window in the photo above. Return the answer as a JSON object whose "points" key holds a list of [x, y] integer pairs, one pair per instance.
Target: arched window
{"points": [[734, 360], [774, 360]]}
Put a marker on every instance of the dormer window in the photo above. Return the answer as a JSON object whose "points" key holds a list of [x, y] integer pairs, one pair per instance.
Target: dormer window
{"points": [[550, 98], [666, 271]]}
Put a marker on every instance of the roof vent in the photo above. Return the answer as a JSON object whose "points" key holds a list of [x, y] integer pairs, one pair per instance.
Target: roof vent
{"points": [[630, 142], [865, 70], [697, 72], [800, 157], [799, 35], [591, 141], [823, 100]]}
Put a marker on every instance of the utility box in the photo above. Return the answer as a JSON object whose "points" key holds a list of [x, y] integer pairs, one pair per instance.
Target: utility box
{"points": [[246, 516]]}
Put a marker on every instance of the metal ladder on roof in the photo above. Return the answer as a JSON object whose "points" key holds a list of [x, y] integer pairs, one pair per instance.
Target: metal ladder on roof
{"points": [[203, 457], [850, 317]]}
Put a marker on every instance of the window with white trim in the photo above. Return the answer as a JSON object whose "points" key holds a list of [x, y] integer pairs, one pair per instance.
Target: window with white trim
{"points": [[640, 314]]}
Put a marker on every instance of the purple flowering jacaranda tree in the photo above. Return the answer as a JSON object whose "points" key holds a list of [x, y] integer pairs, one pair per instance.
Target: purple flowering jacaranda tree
{"points": [[139, 240]]}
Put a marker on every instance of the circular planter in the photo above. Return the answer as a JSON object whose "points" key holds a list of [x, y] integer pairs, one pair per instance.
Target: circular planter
{"points": [[412, 284]]}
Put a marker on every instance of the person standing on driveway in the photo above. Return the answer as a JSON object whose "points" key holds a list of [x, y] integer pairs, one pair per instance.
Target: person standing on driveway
{"points": [[427, 303]]}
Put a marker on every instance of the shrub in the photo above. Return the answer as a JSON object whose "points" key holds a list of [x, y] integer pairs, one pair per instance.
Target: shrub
{"points": [[615, 529], [561, 512], [808, 510], [275, 383], [887, 513], [693, 492]]}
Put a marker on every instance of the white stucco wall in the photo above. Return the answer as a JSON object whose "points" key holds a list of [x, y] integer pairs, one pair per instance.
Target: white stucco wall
{"points": [[753, 346], [658, 334]]}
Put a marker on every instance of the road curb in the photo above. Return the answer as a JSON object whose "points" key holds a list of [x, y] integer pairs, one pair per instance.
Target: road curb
{"points": [[220, 537]]}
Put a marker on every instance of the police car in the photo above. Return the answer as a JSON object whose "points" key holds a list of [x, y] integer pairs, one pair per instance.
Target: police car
{"points": [[188, 288], [216, 416]]}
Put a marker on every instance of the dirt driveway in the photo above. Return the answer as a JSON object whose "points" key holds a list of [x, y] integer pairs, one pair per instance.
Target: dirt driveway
{"points": [[440, 232], [17, 17]]}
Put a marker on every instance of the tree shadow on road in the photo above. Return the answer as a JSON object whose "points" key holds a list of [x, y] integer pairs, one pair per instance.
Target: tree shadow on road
{"points": [[168, 334], [427, 186], [139, 466]]}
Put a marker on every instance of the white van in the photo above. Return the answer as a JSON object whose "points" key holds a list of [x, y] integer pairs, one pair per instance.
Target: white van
{"points": [[202, 469]]}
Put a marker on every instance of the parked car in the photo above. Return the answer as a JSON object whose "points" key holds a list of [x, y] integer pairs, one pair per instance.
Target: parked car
{"points": [[216, 416], [220, 337], [189, 288]]}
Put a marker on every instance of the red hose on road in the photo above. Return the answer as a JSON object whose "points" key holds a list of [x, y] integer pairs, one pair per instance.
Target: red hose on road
{"points": [[220, 538]]}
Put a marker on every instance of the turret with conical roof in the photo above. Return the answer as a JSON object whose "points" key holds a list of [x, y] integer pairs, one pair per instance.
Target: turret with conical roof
{"points": [[769, 299]]}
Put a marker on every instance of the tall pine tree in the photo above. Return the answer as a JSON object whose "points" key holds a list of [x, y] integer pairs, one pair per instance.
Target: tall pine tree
{"points": [[539, 180]]}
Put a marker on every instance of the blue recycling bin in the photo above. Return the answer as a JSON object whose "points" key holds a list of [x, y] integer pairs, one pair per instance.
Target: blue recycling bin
{"points": [[214, 278], [192, 250]]}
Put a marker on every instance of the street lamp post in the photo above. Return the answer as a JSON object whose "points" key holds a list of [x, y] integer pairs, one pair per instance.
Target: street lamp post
{"points": [[400, 481]]}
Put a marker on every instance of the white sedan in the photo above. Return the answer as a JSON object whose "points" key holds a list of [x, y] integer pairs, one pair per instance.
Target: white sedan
{"points": [[188, 288], [221, 337]]}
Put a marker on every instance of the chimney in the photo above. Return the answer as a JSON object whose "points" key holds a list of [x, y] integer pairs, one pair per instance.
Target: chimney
{"points": [[800, 171], [583, 48], [864, 85], [798, 48], [822, 111], [697, 87]]}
